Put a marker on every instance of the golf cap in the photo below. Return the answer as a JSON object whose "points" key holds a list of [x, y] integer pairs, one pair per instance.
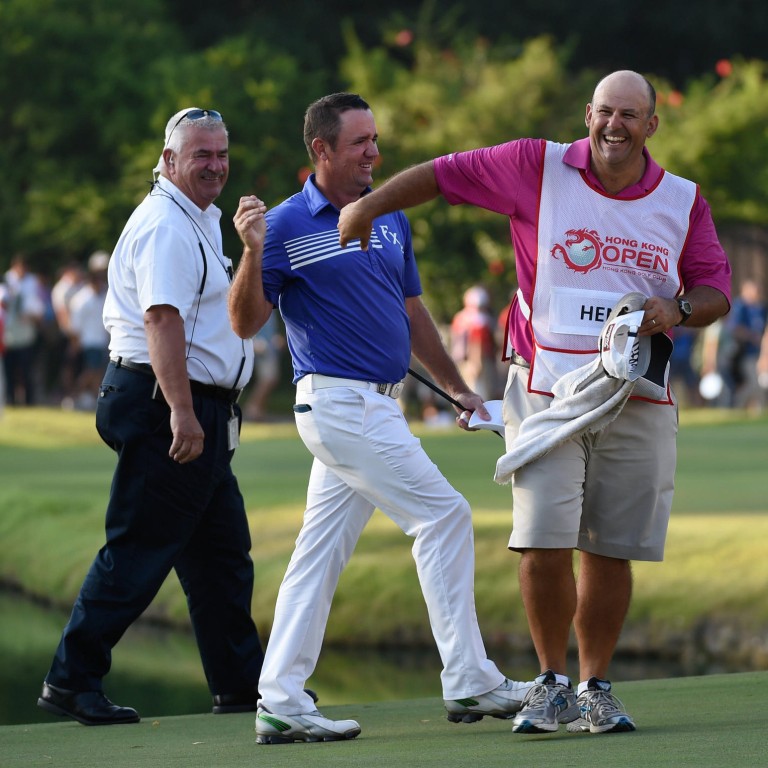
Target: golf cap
{"points": [[627, 356], [477, 297]]}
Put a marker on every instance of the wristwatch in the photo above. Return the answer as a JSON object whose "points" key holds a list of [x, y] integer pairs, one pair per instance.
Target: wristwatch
{"points": [[686, 310]]}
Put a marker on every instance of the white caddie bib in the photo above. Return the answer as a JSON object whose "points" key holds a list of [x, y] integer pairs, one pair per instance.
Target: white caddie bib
{"points": [[592, 250]]}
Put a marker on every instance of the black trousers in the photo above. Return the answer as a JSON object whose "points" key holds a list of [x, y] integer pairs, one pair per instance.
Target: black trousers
{"points": [[162, 516]]}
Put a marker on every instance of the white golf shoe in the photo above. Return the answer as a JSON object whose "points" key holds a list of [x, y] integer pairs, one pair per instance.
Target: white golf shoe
{"points": [[503, 702], [273, 728]]}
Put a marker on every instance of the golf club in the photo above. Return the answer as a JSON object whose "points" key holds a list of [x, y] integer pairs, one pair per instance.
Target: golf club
{"points": [[442, 393]]}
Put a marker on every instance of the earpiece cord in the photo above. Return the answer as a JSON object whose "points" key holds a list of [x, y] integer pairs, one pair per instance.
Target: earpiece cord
{"points": [[154, 186]]}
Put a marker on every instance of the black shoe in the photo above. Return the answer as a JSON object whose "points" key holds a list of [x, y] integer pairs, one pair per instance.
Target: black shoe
{"points": [[247, 701], [87, 707]]}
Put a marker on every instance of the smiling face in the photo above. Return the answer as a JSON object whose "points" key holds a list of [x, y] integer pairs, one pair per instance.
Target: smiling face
{"points": [[201, 167], [345, 170], [619, 120]]}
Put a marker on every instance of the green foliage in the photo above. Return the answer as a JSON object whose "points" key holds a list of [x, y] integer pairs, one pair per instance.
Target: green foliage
{"points": [[466, 96], [718, 136], [76, 75], [262, 94], [89, 86], [93, 84]]}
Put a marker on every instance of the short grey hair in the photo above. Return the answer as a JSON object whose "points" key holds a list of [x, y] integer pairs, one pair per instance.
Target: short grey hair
{"points": [[177, 133]]}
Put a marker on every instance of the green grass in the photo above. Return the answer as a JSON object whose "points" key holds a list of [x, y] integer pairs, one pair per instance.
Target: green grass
{"points": [[54, 481], [707, 600], [55, 473], [706, 722]]}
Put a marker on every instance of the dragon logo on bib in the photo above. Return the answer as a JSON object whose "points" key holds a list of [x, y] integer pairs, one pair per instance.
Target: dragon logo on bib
{"points": [[581, 251]]}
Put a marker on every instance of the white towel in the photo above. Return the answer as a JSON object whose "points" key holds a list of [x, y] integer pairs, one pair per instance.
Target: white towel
{"points": [[585, 400], [588, 399]]}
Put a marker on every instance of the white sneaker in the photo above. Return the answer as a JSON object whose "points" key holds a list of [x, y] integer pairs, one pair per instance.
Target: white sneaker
{"points": [[272, 728], [502, 702], [601, 711], [547, 704]]}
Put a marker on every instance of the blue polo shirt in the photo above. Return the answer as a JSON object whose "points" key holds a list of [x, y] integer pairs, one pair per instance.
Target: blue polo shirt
{"points": [[343, 308]]}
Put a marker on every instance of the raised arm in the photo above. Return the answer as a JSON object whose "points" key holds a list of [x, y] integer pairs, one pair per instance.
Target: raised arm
{"points": [[413, 186], [248, 308]]}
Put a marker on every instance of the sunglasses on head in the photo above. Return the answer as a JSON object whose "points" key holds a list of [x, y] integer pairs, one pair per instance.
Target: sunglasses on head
{"points": [[195, 114]]}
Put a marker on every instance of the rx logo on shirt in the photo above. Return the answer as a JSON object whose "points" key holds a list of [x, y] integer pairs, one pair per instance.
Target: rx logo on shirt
{"points": [[391, 236]]}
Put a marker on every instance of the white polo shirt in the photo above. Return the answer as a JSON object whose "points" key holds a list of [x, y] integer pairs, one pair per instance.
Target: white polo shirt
{"points": [[167, 251]]}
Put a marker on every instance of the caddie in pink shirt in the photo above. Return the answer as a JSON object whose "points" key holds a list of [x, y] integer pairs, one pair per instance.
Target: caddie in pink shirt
{"points": [[590, 222]]}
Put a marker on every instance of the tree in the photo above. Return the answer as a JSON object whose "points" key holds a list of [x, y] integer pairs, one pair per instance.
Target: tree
{"points": [[447, 100], [715, 133], [76, 73], [92, 84], [262, 94], [679, 41]]}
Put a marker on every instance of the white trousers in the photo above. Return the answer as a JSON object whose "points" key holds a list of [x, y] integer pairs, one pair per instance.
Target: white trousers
{"points": [[366, 457]]}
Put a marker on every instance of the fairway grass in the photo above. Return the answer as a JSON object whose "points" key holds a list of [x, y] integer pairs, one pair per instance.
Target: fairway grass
{"points": [[704, 607], [55, 475], [703, 722]]}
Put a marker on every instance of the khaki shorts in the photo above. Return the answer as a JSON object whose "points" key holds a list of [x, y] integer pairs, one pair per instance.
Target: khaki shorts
{"points": [[608, 493]]}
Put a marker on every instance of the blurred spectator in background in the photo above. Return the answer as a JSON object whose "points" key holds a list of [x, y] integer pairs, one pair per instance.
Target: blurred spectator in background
{"points": [[762, 370], [24, 310], [2, 348], [267, 345], [70, 280], [473, 343], [89, 335], [49, 347], [684, 367], [419, 401], [747, 326], [715, 385]]}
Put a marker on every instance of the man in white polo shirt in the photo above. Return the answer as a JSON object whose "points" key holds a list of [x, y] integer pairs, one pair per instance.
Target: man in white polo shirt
{"points": [[168, 406]]}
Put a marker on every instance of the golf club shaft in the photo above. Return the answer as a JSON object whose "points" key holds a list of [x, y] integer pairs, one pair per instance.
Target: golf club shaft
{"points": [[435, 388]]}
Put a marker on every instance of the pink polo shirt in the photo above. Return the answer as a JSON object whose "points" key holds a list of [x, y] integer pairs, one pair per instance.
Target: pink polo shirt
{"points": [[506, 178]]}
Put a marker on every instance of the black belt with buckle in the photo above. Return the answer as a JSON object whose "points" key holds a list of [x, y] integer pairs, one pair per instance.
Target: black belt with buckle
{"points": [[197, 387]]}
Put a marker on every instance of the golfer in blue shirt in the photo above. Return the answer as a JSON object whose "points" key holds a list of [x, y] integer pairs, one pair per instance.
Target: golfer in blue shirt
{"points": [[352, 319]]}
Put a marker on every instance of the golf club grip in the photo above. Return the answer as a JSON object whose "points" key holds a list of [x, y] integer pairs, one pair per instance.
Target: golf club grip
{"points": [[440, 392]]}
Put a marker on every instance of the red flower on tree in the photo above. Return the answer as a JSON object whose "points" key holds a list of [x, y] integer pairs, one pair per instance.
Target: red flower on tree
{"points": [[675, 98], [404, 38], [496, 267], [724, 68]]}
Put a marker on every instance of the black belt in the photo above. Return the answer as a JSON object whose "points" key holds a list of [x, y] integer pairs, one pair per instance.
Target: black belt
{"points": [[197, 387]]}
